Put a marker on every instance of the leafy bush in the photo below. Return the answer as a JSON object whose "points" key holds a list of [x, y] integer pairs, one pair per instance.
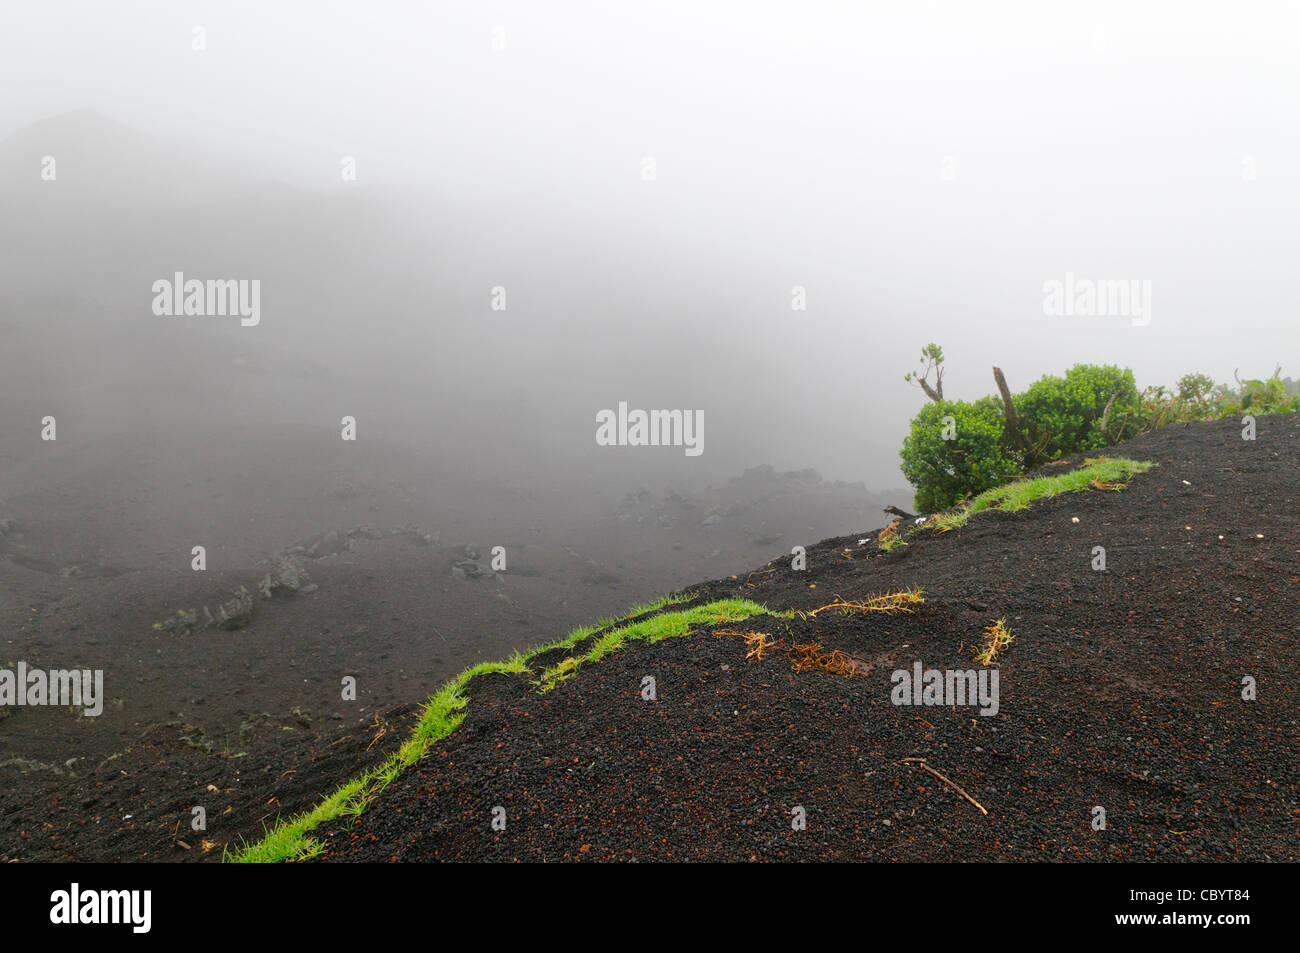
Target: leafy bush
{"points": [[1059, 416], [1063, 415], [1195, 389], [1264, 397], [973, 460], [1199, 398]]}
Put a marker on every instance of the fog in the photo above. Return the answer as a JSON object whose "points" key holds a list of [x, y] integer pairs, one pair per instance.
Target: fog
{"points": [[345, 346], [649, 185]]}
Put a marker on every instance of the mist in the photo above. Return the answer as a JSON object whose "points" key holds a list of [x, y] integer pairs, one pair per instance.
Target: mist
{"points": [[346, 346], [649, 188]]}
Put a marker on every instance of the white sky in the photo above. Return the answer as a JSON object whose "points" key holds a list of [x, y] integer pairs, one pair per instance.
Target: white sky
{"points": [[796, 143]]}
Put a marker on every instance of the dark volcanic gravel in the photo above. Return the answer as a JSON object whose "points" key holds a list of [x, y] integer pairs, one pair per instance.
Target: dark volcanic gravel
{"points": [[1121, 690], [137, 804]]}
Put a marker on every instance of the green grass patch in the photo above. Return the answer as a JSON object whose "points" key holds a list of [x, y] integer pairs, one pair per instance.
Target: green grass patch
{"points": [[443, 713], [952, 519], [1110, 473], [1106, 473], [655, 628], [445, 710], [586, 631]]}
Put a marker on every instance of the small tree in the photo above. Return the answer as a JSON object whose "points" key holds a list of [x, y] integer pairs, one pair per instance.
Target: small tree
{"points": [[931, 360]]}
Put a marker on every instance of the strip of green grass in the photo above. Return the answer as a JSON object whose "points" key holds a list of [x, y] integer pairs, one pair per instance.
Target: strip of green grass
{"points": [[1018, 494], [662, 626], [288, 840], [577, 635]]}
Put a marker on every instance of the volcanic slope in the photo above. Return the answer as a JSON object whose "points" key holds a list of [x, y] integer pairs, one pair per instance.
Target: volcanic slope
{"points": [[1155, 695]]}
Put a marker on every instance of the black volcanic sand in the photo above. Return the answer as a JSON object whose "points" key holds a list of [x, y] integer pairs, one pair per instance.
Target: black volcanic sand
{"points": [[137, 804], [94, 550], [1122, 690]]}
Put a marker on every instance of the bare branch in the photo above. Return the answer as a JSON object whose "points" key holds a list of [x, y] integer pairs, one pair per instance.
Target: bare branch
{"points": [[1013, 421]]}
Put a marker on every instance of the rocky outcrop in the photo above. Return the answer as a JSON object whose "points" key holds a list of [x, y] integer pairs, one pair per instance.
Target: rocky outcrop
{"points": [[287, 576]]}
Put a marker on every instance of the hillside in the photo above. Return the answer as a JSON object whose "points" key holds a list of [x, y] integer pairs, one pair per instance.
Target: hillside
{"points": [[1122, 689], [390, 559]]}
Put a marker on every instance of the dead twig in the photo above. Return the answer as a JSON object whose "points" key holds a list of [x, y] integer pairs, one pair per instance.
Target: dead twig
{"points": [[758, 642], [1099, 485], [803, 656], [895, 511], [810, 655], [383, 730], [920, 762], [996, 638], [890, 602]]}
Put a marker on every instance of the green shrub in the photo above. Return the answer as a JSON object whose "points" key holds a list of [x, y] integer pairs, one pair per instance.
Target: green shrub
{"points": [[1063, 415], [1195, 388], [1157, 408], [1199, 398], [973, 460], [1264, 397]]}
